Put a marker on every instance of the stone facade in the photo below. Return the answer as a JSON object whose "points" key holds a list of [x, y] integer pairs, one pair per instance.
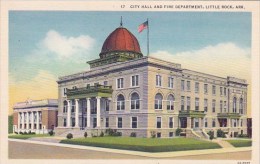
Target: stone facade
{"points": [[39, 116]]}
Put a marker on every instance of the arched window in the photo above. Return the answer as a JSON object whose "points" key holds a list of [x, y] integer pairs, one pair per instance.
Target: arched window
{"points": [[120, 102], [241, 106], [158, 101], [135, 101], [234, 105], [170, 102], [65, 106]]}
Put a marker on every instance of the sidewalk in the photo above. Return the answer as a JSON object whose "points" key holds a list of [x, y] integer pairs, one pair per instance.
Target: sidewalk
{"points": [[145, 154]]}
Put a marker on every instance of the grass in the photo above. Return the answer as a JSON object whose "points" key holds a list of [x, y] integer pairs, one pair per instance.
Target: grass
{"points": [[26, 136], [144, 144], [240, 143]]}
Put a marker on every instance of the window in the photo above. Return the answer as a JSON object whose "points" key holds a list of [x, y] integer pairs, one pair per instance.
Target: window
{"points": [[64, 91], [241, 106], [197, 87], [158, 135], [205, 105], [170, 122], [105, 83], [170, 82], [107, 105], [158, 80], [73, 122], [182, 85], [64, 122], [135, 80], [188, 103], [235, 122], [135, 101], [213, 89], [120, 102], [225, 106], [159, 122], [225, 91], [40, 116], [205, 122], [119, 122], [234, 105], [182, 102], [213, 122], [170, 102], [197, 103], [73, 106], [107, 122], [94, 122], [221, 91], [188, 85], [120, 83], [221, 106], [213, 106], [134, 122], [205, 88], [65, 106], [170, 134], [158, 101], [241, 123], [196, 122]]}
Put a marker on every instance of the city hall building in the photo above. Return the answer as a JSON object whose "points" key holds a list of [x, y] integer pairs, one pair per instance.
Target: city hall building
{"points": [[37, 116], [137, 94]]}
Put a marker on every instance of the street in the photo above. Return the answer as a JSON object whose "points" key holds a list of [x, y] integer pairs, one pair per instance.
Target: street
{"points": [[18, 150]]}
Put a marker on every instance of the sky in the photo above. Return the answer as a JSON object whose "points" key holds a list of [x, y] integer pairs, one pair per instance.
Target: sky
{"points": [[48, 44]]}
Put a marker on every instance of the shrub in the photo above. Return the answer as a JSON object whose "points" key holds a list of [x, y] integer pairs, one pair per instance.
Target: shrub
{"points": [[153, 134], [33, 133], [220, 133], [101, 134], [113, 132], [29, 132], [178, 132], [51, 133], [211, 135], [85, 134], [69, 136], [133, 134], [20, 132], [25, 133], [242, 136]]}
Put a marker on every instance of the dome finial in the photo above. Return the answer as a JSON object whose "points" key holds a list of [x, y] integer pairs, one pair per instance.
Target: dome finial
{"points": [[121, 23]]}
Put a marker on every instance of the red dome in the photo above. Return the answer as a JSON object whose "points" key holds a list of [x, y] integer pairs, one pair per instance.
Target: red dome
{"points": [[121, 40]]}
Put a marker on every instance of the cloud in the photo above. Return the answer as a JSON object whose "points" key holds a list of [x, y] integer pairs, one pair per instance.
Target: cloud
{"points": [[224, 59], [64, 46]]}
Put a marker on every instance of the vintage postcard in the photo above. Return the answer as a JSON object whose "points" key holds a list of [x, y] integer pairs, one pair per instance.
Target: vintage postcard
{"points": [[149, 81]]}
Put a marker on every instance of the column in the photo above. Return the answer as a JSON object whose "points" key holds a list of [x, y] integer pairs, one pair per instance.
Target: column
{"points": [[27, 120], [32, 120], [37, 120], [88, 112], [188, 123], [77, 113], [68, 114], [19, 122], [22, 120], [98, 111]]}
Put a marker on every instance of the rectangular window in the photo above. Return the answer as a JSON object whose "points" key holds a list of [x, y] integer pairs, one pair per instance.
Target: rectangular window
{"points": [[197, 103], [120, 83], [213, 106], [182, 85], [205, 105], [221, 91], [159, 122], [182, 102], [135, 80], [107, 122], [64, 122], [241, 123], [170, 82], [94, 122], [170, 134], [64, 91], [221, 106], [213, 122], [225, 91], [158, 80], [119, 122], [188, 85], [205, 122], [107, 105], [158, 135], [73, 122], [170, 122], [205, 88], [225, 107], [134, 122], [213, 89], [197, 87], [188, 103], [105, 83]]}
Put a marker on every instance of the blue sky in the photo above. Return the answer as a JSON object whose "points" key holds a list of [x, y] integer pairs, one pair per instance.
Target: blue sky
{"points": [[45, 45]]}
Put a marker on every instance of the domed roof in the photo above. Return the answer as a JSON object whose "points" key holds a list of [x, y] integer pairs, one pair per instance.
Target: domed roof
{"points": [[121, 40]]}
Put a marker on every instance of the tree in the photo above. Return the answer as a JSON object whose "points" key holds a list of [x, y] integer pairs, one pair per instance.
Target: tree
{"points": [[10, 123]]}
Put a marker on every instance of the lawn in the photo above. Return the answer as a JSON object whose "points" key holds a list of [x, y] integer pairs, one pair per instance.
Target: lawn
{"points": [[144, 144], [26, 136], [240, 143]]}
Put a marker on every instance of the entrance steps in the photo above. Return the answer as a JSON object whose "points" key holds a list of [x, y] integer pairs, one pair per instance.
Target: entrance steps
{"points": [[199, 133]]}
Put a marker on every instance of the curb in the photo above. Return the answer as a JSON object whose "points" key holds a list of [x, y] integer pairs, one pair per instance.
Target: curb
{"points": [[138, 153]]}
